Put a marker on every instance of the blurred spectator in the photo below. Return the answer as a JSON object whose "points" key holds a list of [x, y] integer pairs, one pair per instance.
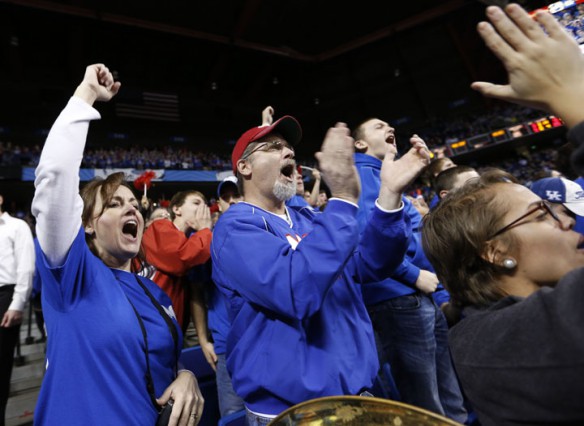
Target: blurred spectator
{"points": [[16, 274], [322, 200], [156, 214], [453, 178], [561, 191]]}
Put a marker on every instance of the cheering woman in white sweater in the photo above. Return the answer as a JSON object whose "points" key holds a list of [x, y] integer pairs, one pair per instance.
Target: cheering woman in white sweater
{"points": [[113, 341]]}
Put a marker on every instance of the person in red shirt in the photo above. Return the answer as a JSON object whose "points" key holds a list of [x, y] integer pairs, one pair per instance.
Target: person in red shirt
{"points": [[172, 247]]}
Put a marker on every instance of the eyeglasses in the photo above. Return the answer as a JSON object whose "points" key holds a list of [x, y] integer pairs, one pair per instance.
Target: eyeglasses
{"points": [[269, 146], [544, 206]]}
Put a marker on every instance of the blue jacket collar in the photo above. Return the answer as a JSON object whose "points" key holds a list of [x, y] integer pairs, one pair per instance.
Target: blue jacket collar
{"points": [[367, 160]]}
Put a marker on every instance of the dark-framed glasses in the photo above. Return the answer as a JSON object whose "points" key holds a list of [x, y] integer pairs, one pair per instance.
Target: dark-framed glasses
{"points": [[269, 146], [544, 206]]}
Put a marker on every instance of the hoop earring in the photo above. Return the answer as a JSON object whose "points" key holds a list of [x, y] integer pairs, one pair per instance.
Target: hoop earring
{"points": [[509, 263]]}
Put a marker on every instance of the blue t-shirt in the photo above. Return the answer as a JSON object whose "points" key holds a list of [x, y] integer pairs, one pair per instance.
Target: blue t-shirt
{"points": [[95, 360]]}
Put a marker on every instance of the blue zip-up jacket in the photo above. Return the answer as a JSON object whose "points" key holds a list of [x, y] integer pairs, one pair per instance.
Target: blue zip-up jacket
{"points": [[402, 281], [297, 201], [299, 327], [434, 202]]}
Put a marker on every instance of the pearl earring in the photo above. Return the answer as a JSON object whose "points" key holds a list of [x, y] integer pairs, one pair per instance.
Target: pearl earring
{"points": [[509, 263]]}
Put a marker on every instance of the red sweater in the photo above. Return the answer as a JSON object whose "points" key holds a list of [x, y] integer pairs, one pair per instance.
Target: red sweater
{"points": [[173, 254]]}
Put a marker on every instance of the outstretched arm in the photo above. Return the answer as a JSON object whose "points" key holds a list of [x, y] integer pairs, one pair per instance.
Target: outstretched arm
{"points": [[315, 188], [57, 205], [267, 116], [543, 62], [199, 317]]}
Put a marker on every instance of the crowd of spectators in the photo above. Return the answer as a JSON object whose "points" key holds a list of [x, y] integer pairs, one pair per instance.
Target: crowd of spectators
{"points": [[526, 166], [135, 157], [500, 263], [12, 154], [160, 158], [436, 132]]}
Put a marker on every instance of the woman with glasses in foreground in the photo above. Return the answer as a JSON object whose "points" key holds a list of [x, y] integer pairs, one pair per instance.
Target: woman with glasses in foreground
{"points": [[511, 263], [501, 251]]}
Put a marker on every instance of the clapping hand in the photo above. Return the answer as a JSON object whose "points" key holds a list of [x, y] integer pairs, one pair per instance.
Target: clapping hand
{"points": [[396, 175], [337, 165]]}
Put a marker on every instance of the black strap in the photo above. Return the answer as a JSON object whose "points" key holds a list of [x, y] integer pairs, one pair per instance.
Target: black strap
{"points": [[173, 332], [166, 318], [149, 381]]}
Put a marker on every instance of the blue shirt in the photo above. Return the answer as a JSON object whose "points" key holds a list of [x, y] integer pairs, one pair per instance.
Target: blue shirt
{"points": [[95, 359], [299, 328], [297, 201]]}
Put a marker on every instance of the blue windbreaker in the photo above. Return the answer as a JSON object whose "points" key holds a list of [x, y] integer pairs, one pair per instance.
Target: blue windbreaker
{"points": [[299, 327], [403, 280]]}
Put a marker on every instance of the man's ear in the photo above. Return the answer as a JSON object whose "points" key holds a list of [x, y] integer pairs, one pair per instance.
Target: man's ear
{"points": [[361, 145], [176, 210], [244, 167]]}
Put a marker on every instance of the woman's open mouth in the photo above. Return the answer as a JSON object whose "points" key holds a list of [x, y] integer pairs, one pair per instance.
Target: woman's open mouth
{"points": [[130, 228]]}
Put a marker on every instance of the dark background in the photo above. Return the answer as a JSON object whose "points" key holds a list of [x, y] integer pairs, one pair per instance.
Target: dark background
{"points": [[410, 63]]}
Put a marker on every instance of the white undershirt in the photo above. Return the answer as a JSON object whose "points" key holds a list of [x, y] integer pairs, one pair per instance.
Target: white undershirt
{"points": [[57, 205]]}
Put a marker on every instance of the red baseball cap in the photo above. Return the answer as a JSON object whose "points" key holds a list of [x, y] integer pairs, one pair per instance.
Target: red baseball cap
{"points": [[287, 126]]}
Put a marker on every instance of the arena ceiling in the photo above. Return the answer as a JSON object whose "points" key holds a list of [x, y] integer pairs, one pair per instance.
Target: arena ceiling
{"points": [[222, 61]]}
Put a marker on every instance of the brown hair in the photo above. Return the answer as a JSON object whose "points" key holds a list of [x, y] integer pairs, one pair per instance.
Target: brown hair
{"points": [[454, 238], [179, 198], [106, 189], [357, 134], [494, 174], [447, 178], [432, 170]]}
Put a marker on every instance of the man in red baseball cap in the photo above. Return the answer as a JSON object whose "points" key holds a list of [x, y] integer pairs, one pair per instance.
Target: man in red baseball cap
{"points": [[298, 322], [287, 127]]}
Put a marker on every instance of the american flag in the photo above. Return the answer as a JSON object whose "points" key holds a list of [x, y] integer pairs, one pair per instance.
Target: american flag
{"points": [[148, 106]]}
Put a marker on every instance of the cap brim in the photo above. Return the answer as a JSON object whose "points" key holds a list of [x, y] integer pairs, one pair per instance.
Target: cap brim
{"points": [[289, 128], [576, 208]]}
